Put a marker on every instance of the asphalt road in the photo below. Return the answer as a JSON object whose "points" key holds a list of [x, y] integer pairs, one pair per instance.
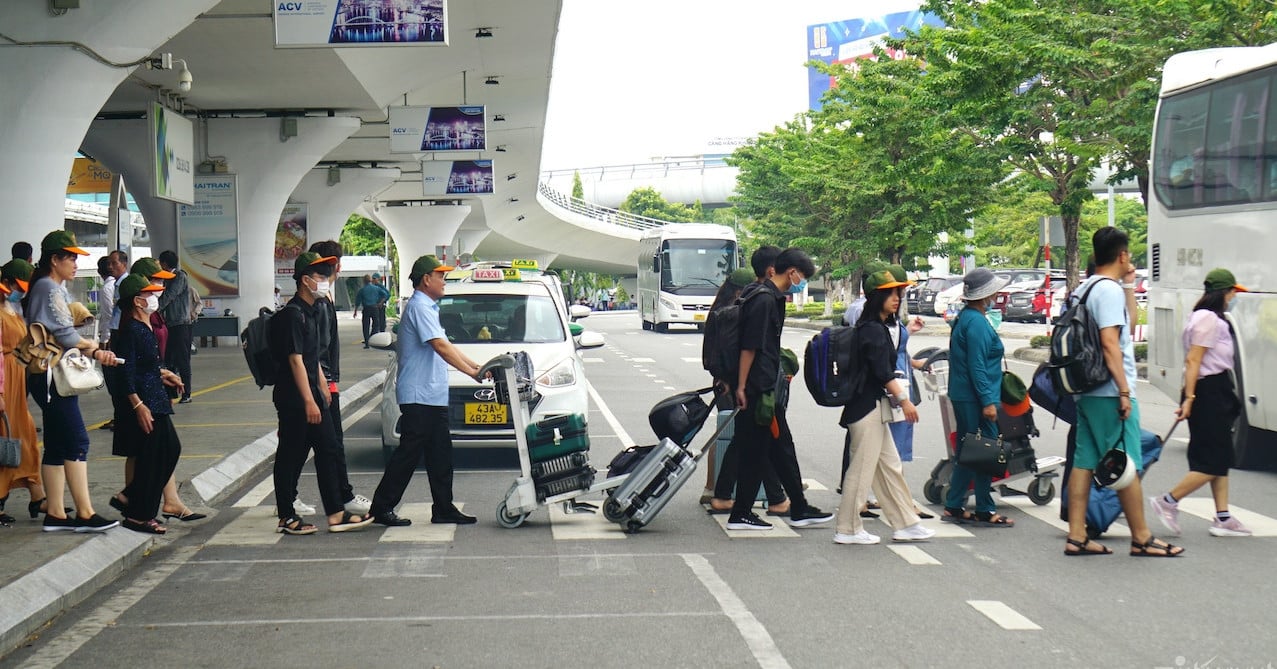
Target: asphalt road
{"points": [[572, 591]]}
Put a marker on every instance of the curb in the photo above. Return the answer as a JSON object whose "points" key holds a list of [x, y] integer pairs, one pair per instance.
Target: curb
{"points": [[1029, 354], [31, 601]]}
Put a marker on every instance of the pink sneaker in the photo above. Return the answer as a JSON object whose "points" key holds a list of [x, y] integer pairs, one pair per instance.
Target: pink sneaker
{"points": [[1168, 513], [1229, 528]]}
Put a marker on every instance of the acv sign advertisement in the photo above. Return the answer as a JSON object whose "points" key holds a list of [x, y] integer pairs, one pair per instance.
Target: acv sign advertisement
{"points": [[173, 150], [315, 23], [208, 236], [852, 39], [456, 177], [438, 129]]}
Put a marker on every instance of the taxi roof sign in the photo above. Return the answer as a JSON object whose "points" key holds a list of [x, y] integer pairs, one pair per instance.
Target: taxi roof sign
{"points": [[524, 264], [487, 274]]}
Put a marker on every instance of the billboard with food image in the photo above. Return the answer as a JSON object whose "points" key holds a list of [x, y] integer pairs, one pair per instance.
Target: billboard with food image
{"points": [[290, 237]]}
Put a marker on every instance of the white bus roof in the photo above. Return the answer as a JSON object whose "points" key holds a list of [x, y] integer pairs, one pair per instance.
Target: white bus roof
{"points": [[1192, 68], [690, 231]]}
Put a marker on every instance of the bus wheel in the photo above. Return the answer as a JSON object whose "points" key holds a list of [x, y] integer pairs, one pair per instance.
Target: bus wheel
{"points": [[647, 325], [1252, 448], [661, 327]]}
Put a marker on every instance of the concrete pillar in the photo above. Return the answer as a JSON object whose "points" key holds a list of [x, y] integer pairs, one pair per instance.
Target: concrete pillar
{"points": [[268, 170], [417, 231], [329, 207], [123, 146], [50, 94]]}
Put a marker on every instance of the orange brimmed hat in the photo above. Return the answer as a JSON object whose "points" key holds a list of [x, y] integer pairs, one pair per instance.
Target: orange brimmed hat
{"points": [[19, 271], [882, 279], [150, 268], [1015, 396], [311, 261], [61, 240], [1222, 279], [136, 284]]}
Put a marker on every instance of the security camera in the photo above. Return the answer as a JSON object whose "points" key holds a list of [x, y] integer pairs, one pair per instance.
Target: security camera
{"points": [[184, 78]]}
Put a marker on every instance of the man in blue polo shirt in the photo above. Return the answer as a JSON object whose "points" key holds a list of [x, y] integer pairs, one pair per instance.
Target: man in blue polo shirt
{"points": [[422, 393]]}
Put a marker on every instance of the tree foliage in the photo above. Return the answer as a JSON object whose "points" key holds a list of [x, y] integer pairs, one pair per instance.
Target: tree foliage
{"points": [[362, 237], [578, 188], [647, 201]]}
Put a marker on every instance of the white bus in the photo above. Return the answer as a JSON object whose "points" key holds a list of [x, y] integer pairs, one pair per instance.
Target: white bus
{"points": [[680, 267], [1214, 204]]}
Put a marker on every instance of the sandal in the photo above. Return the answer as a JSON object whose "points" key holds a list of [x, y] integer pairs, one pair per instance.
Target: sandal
{"points": [[144, 526], [295, 525], [350, 521], [718, 507], [1082, 549], [922, 514], [957, 516], [993, 520], [1142, 549]]}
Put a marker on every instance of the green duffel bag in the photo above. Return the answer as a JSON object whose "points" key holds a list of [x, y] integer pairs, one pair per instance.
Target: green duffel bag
{"points": [[557, 436]]}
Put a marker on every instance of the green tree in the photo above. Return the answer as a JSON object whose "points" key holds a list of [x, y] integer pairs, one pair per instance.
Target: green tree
{"points": [[647, 201], [362, 237], [578, 188]]}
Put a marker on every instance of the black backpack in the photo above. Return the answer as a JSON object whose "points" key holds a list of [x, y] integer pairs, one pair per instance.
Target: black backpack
{"points": [[831, 366], [255, 340], [720, 348], [1076, 363]]}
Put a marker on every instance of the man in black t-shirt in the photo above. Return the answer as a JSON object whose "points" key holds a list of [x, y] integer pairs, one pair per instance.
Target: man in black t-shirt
{"points": [[757, 435], [301, 399]]}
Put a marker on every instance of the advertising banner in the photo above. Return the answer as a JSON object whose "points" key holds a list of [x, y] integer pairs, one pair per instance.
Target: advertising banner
{"points": [[456, 177], [847, 41], [173, 147], [421, 129], [208, 236], [89, 176], [290, 238], [314, 23]]}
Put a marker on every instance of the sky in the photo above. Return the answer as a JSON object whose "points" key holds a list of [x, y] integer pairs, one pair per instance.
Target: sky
{"points": [[634, 80]]}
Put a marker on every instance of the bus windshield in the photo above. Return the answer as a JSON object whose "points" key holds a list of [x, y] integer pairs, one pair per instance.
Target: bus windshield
{"points": [[696, 266]]}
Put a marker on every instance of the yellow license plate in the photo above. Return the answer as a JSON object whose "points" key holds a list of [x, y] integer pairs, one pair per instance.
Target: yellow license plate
{"points": [[698, 317], [485, 413]]}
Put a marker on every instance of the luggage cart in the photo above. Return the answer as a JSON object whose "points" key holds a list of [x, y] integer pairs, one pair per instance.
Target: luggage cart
{"points": [[523, 496], [1023, 466]]}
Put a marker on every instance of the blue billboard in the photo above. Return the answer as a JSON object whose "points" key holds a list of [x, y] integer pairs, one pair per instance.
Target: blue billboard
{"points": [[846, 41]]}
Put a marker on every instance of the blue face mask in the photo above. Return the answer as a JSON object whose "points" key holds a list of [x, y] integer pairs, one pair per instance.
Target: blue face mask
{"points": [[797, 288], [16, 296], [995, 318]]}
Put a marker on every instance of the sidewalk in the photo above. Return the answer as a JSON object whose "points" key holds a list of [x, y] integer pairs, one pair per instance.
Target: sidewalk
{"points": [[228, 435]]}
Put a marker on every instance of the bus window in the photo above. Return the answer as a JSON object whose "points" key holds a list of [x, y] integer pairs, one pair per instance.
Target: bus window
{"points": [[1234, 135], [1181, 135]]}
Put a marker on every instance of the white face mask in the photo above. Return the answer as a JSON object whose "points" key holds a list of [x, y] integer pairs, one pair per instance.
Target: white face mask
{"points": [[152, 304], [321, 289]]}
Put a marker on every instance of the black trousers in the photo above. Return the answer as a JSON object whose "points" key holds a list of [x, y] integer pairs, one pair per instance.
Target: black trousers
{"points": [[154, 459], [725, 484], [296, 439], [757, 445], [380, 313], [177, 355], [422, 429], [369, 322], [334, 414]]}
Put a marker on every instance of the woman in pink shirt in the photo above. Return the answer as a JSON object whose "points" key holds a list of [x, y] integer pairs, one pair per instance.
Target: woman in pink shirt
{"points": [[1210, 405]]}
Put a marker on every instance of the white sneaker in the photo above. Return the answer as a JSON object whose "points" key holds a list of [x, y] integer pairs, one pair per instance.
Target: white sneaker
{"points": [[862, 538], [1229, 528], [915, 532], [301, 508], [359, 506]]}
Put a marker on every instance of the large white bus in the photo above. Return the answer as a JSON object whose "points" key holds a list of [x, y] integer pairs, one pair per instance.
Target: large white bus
{"points": [[680, 267], [1214, 204]]}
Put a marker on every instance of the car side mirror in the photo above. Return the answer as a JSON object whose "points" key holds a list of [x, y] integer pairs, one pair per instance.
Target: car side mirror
{"points": [[579, 311], [384, 341], [589, 339]]}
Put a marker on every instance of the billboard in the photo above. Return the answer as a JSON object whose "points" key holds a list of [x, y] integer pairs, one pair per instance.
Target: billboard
{"points": [[421, 129], [290, 237], [173, 149], [847, 41], [208, 236], [456, 177], [317, 23], [89, 176]]}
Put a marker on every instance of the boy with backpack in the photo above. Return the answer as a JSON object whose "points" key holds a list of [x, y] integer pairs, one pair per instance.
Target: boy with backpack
{"points": [[1108, 415]]}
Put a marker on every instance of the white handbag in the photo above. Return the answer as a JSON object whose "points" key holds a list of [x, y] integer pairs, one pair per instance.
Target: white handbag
{"points": [[76, 374]]}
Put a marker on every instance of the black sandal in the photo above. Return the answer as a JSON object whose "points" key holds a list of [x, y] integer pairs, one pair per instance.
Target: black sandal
{"points": [[144, 526], [1083, 550], [350, 521], [957, 516], [988, 520], [1142, 549], [295, 525]]}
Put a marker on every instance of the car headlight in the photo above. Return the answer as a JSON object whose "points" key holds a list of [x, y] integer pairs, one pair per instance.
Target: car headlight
{"points": [[668, 304], [562, 374]]}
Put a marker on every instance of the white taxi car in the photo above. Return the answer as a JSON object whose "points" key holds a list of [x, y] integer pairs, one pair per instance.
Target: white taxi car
{"points": [[492, 309]]}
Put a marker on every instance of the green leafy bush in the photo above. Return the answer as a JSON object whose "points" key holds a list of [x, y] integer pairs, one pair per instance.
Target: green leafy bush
{"points": [[1141, 352], [1040, 341]]}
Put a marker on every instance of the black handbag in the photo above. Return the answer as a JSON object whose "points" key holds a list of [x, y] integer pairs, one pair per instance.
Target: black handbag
{"points": [[983, 455], [10, 446]]}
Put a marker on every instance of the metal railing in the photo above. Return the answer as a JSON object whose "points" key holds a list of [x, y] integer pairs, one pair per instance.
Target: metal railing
{"points": [[662, 169], [599, 213]]}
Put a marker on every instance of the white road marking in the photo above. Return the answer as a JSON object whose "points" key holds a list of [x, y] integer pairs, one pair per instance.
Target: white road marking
{"points": [[813, 484], [58, 650], [756, 636], [1204, 507], [1050, 514], [642, 359], [692, 360], [1004, 616], [593, 360], [621, 434], [581, 526], [780, 529], [256, 526], [668, 388], [421, 530], [943, 530], [913, 555]]}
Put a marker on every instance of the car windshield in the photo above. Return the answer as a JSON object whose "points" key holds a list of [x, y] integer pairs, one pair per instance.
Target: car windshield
{"points": [[477, 319]]}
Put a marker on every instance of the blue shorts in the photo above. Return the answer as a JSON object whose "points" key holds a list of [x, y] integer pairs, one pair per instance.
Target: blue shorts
{"points": [[1099, 428], [65, 437]]}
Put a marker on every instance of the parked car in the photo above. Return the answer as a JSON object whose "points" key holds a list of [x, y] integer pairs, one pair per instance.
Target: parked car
{"points": [[487, 313], [948, 297], [927, 294], [1027, 302]]}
